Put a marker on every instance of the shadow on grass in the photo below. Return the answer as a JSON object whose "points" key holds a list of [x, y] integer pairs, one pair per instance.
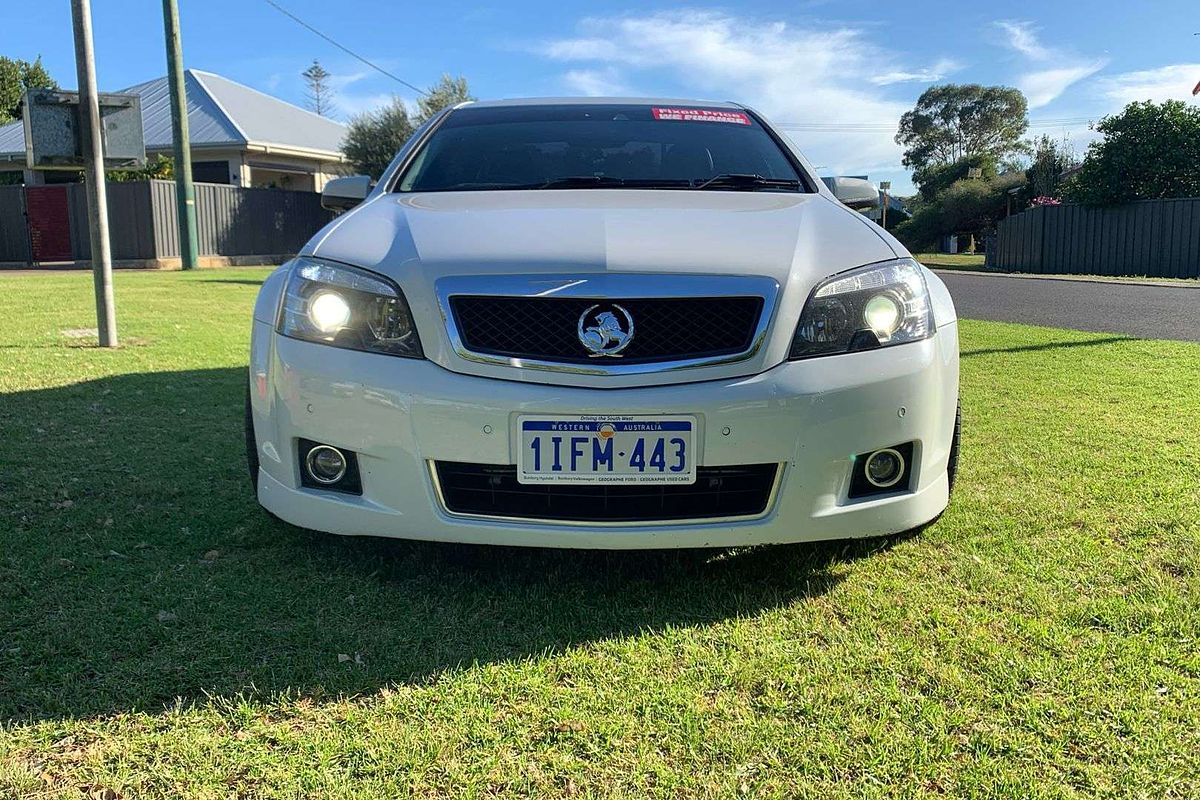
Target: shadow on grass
{"points": [[136, 568], [1033, 348]]}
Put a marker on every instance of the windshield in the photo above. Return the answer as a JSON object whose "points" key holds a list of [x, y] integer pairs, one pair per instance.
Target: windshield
{"points": [[600, 146]]}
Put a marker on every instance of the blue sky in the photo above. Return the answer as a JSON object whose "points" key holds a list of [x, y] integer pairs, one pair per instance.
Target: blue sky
{"points": [[850, 66]]}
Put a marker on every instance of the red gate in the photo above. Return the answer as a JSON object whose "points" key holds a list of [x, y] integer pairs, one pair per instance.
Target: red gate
{"points": [[49, 217]]}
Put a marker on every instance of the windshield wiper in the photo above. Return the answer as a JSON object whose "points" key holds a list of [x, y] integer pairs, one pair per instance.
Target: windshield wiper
{"points": [[747, 182], [609, 181], [477, 186], [570, 182], [582, 182], [573, 182]]}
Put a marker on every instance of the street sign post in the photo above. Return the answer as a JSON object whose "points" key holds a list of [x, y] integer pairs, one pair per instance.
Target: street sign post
{"points": [[54, 128], [884, 187], [87, 131], [91, 140]]}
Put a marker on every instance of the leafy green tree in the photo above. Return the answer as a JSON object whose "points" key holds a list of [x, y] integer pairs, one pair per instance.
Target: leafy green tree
{"points": [[975, 206], [443, 94], [16, 77], [375, 137], [969, 206], [1147, 151], [1051, 158], [958, 121], [934, 180], [160, 166]]}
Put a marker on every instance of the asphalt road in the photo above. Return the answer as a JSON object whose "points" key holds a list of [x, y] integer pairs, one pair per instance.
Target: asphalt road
{"points": [[1147, 312]]}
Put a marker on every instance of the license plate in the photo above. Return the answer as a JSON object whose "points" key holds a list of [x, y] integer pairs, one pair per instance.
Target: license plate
{"points": [[606, 449]]}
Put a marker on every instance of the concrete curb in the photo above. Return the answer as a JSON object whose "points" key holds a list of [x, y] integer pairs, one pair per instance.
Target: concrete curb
{"points": [[1117, 281]]}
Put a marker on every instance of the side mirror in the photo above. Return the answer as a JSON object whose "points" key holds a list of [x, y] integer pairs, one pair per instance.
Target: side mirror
{"points": [[341, 194], [854, 192]]}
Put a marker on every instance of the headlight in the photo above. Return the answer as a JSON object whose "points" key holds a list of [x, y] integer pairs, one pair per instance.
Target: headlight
{"points": [[877, 305], [347, 307]]}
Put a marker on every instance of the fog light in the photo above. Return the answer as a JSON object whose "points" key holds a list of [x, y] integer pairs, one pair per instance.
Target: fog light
{"points": [[325, 464], [884, 468]]}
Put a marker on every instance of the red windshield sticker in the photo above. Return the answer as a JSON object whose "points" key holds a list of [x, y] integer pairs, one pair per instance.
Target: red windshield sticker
{"points": [[701, 115]]}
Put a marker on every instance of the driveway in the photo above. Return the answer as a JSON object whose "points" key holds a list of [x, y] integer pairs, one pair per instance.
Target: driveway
{"points": [[1151, 312]]}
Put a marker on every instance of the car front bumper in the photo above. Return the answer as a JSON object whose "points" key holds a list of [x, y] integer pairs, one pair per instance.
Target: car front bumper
{"points": [[400, 416]]}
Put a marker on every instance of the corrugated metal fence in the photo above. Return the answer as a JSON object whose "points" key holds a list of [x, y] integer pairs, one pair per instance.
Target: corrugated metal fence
{"points": [[130, 226], [143, 221], [239, 222], [1158, 238], [14, 234]]}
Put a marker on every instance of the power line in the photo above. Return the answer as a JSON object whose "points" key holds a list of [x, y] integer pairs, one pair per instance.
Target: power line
{"points": [[343, 47]]}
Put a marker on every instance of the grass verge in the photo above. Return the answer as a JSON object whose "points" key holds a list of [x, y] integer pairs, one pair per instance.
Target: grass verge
{"points": [[161, 637], [950, 260], [974, 262]]}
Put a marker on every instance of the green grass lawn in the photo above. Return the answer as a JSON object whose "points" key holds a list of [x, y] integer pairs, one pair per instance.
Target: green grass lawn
{"points": [[161, 637], [950, 260], [974, 261]]}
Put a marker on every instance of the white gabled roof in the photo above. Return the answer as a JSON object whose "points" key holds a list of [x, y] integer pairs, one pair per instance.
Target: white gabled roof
{"points": [[221, 112]]}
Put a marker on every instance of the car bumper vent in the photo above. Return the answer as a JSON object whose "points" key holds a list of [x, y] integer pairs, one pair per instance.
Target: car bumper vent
{"points": [[718, 493]]}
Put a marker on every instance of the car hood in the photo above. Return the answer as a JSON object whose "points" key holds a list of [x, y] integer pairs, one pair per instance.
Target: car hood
{"points": [[789, 237], [418, 239]]}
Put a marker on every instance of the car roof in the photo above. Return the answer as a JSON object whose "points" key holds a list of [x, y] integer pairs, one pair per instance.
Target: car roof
{"points": [[597, 101]]}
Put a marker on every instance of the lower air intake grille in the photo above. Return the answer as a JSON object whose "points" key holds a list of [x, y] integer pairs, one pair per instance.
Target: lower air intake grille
{"points": [[493, 491]]}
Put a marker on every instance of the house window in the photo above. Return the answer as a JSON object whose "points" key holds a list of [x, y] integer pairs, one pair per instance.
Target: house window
{"points": [[210, 171]]}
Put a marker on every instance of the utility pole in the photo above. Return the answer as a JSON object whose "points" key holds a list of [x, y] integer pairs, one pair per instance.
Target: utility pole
{"points": [[93, 153], [884, 187], [185, 190]]}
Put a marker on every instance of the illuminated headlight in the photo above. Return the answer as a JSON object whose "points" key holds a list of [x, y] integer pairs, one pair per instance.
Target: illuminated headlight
{"points": [[347, 307], [875, 306], [329, 311]]}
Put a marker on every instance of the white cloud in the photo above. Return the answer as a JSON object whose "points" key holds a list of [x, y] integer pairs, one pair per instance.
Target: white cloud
{"points": [[351, 105], [357, 90], [1022, 38], [583, 49], [1172, 82], [1043, 86], [792, 74], [596, 82], [937, 72], [341, 80], [1061, 67]]}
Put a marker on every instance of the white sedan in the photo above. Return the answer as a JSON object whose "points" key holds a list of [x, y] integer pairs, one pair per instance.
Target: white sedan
{"points": [[608, 324]]}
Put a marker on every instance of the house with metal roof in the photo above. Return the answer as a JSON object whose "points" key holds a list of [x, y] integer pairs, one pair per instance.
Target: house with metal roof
{"points": [[239, 136]]}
